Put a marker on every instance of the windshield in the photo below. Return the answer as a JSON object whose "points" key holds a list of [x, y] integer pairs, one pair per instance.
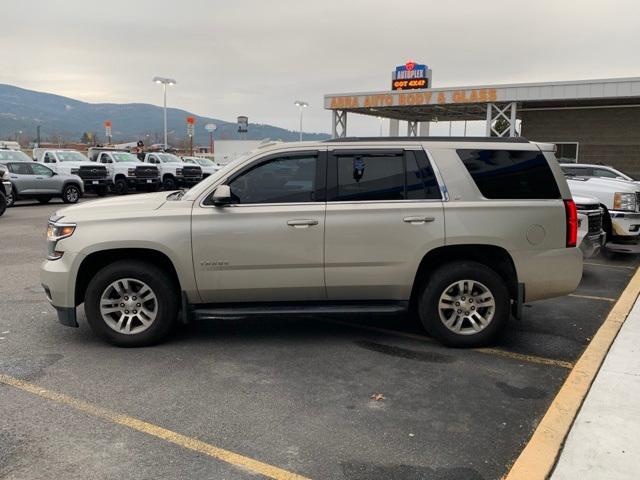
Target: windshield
{"points": [[205, 162], [168, 158], [65, 156], [124, 157], [14, 155]]}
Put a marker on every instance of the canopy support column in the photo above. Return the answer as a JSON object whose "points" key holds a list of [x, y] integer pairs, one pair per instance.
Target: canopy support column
{"points": [[503, 113], [339, 127]]}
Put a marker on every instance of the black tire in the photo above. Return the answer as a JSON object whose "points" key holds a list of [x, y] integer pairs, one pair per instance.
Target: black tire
{"points": [[102, 191], [71, 193], [169, 183], [439, 283], [3, 204], [162, 285], [44, 200], [120, 186]]}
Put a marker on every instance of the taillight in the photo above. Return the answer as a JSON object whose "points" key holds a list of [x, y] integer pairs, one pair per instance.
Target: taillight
{"points": [[572, 222]]}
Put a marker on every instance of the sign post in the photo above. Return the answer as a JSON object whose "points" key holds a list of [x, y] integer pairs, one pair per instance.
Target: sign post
{"points": [[107, 130], [191, 123], [210, 127]]}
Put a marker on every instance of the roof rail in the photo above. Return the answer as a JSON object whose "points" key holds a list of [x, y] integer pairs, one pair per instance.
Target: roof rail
{"points": [[430, 139]]}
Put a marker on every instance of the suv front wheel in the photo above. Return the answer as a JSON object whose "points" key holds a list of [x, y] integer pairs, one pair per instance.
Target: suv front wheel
{"points": [[131, 304], [464, 304]]}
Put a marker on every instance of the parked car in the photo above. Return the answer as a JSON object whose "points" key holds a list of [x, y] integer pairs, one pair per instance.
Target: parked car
{"points": [[342, 226], [173, 171], [94, 177], [599, 171], [5, 189], [620, 200], [591, 236], [208, 166], [33, 180], [125, 171]]}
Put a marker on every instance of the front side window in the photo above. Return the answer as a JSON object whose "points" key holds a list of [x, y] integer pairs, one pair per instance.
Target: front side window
{"points": [[281, 180], [14, 156], [124, 157], [169, 158], [68, 156], [510, 174], [602, 172], [41, 170], [577, 171]]}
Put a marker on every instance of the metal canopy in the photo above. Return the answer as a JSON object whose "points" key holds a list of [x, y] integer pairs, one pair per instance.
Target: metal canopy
{"points": [[483, 102]]}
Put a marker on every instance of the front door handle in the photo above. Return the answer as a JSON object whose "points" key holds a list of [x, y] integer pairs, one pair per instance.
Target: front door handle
{"points": [[418, 220], [303, 223]]}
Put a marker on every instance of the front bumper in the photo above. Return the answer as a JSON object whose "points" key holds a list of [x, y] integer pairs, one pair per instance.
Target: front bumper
{"points": [[625, 224], [58, 281], [142, 182], [188, 181], [95, 184], [7, 187], [592, 244]]}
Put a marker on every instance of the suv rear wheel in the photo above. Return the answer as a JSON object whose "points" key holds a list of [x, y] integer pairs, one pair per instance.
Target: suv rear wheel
{"points": [[131, 304], [464, 304], [3, 203], [11, 198]]}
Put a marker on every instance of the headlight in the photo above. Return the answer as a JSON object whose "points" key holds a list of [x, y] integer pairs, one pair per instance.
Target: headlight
{"points": [[178, 171], [56, 232], [132, 172], [624, 201], [75, 171]]}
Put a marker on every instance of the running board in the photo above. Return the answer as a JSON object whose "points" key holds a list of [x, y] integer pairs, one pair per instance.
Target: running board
{"points": [[236, 311]]}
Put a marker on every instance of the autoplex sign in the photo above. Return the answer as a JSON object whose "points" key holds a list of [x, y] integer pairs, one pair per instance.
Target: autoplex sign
{"points": [[410, 76], [397, 99]]}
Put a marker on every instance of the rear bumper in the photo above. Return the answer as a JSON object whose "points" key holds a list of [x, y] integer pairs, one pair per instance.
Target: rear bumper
{"points": [[592, 244], [548, 273]]}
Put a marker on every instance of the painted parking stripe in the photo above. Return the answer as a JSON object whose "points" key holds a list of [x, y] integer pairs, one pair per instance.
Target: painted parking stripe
{"points": [[592, 297], [246, 463], [537, 460], [489, 351], [609, 266]]}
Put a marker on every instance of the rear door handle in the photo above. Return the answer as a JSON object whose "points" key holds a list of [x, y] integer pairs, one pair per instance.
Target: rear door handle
{"points": [[303, 223], [418, 220]]}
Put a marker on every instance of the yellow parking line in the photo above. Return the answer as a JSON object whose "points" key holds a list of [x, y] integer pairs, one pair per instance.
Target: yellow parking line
{"points": [[591, 297], [538, 458], [190, 443], [608, 266], [489, 351]]}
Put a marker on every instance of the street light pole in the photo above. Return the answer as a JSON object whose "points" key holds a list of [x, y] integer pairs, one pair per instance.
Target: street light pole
{"points": [[164, 81], [300, 104]]}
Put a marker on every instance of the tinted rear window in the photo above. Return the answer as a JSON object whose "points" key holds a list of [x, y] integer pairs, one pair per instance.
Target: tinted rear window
{"points": [[510, 174]]}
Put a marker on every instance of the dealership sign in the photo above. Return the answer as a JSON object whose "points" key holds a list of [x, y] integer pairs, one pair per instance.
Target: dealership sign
{"points": [[410, 76]]}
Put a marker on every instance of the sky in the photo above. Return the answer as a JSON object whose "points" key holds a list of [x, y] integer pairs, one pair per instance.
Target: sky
{"points": [[256, 57]]}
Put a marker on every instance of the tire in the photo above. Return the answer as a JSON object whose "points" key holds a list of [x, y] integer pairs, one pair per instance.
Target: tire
{"points": [[137, 273], [11, 198], [120, 186], [3, 204], [483, 281], [169, 183], [44, 200], [71, 193]]}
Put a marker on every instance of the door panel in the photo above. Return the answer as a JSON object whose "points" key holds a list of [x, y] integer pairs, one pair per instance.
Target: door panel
{"points": [[23, 178], [258, 252], [46, 182]]}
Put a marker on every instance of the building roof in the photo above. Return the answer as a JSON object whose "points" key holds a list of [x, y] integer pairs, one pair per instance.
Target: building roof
{"points": [[468, 103]]}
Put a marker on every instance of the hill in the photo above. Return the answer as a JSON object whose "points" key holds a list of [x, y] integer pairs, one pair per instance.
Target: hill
{"points": [[22, 110]]}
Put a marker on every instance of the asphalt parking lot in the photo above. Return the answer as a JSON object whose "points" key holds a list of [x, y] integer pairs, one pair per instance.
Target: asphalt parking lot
{"points": [[294, 393]]}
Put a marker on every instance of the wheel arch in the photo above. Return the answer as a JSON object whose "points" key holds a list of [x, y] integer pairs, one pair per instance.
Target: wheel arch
{"points": [[95, 261], [494, 257]]}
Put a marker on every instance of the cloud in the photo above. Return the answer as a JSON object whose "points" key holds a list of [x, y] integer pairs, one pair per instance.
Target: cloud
{"points": [[255, 57]]}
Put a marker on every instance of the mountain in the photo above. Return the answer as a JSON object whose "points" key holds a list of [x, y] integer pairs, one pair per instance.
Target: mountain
{"points": [[22, 110]]}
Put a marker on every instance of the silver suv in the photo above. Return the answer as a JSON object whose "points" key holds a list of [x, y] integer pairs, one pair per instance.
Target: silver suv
{"points": [[459, 232]]}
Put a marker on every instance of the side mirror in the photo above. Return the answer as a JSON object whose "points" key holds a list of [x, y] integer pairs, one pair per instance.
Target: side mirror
{"points": [[222, 195]]}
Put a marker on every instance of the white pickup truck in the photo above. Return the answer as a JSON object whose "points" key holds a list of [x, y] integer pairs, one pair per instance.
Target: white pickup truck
{"points": [[209, 167], [620, 200], [125, 170], [173, 171], [72, 162]]}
